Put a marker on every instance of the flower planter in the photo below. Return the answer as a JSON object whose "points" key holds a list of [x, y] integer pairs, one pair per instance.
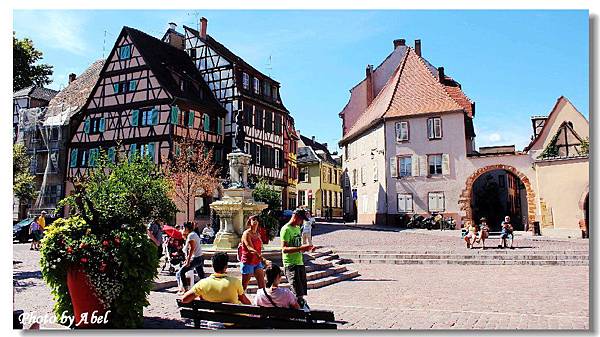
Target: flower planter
{"points": [[85, 302]]}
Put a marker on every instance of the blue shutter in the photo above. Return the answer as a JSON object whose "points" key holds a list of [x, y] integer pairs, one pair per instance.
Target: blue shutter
{"points": [[154, 116], [151, 147], [73, 162], [111, 154], [191, 119], [177, 150], [102, 124], [116, 88], [132, 149], [219, 125], [135, 116], [206, 122], [174, 115], [86, 126], [132, 85], [93, 157]]}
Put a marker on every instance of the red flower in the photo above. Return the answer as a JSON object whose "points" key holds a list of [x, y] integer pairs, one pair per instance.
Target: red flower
{"points": [[105, 243], [83, 245], [83, 260], [69, 250], [103, 267], [117, 240]]}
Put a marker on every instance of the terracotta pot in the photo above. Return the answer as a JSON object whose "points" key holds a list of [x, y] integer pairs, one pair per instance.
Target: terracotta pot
{"points": [[84, 299]]}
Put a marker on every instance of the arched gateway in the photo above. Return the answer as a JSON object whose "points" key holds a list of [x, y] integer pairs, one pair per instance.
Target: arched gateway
{"points": [[466, 196]]}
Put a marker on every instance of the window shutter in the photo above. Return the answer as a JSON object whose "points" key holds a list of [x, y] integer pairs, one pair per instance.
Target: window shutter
{"points": [[415, 165], [423, 165], [132, 149], [206, 122], [219, 125], [408, 202], [102, 126], [154, 116], [86, 126], [132, 85], [398, 131], [151, 148], [430, 128], [116, 88], [111, 154], [174, 115], [190, 121], [394, 167], [73, 161], [135, 116], [445, 164]]}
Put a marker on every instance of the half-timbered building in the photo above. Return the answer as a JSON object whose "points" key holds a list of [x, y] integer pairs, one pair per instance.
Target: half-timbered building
{"points": [[148, 97], [251, 98]]}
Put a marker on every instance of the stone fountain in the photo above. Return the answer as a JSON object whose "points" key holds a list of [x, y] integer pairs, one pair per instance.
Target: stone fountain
{"points": [[237, 203]]}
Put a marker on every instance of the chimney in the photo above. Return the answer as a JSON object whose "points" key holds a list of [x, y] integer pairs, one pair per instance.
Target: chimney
{"points": [[370, 89], [418, 47], [72, 77], [399, 42], [173, 25], [441, 75], [324, 145], [313, 139], [203, 24], [175, 39]]}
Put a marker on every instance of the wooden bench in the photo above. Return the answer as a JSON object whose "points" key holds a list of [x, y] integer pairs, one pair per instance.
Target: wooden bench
{"points": [[249, 316]]}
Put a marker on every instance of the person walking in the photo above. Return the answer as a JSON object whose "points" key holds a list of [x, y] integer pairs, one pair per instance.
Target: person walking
{"points": [[36, 235], [291, 250], [193, 257], [273, 296], [155, 233], [251, 260]]}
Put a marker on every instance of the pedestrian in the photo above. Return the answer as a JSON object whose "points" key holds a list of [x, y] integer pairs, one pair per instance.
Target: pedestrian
{"points": [[293, 260], [484, 231], [218, 287], [193, 257], [251, 260], [42, 221], [506, 232], [208, 234], [471, 235], [155, 233], [36, 235], [273, 296], [307, 230]]}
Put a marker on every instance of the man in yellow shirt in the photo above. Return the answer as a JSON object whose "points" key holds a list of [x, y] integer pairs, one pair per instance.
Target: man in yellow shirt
{"points": [[42, 220], [218, 287]]}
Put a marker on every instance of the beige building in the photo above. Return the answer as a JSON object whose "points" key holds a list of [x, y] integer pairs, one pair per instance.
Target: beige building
{"points": [[409, 147]]}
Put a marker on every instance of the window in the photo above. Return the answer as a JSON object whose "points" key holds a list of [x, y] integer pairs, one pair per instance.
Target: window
{"points": [[193, 53], [247, 113], [435, 164], [277, 158], [278, 124], [436, 201], [304, 175], [97, 125], [125, 52], [405, 164], [405, 203], [256, 86], [258, 154], [401, 131], [258, 119], [434, 128], [275, 93], [84, 158], [53, 134], [246, 81], [247, 147], [301, 198], [266, 89], [268, 121]]}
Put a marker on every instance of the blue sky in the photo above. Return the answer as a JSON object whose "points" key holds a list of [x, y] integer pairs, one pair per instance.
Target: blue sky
{"points": [[513, 64]]}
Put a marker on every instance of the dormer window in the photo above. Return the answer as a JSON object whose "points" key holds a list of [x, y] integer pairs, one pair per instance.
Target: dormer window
{"points": [[246, 81], [266, 89], [275, 90], [256, 86]]}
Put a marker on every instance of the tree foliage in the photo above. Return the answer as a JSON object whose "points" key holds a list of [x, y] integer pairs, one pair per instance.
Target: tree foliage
{"points": [[23, 181], [192, 172], [25, 70], [584, 148], [265, 192]]}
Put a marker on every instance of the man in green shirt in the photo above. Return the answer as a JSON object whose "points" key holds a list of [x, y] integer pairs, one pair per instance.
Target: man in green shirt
{"points": [[291, 250]]}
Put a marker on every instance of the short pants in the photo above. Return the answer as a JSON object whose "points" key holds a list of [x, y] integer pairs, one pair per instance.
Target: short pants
{"points": [[250, 268]]}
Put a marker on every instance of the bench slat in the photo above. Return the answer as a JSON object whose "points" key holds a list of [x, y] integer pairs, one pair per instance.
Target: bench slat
{"points": [[253, 322]]}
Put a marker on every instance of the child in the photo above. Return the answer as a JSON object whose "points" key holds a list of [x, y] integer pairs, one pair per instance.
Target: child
{"points": [[307, 230]]}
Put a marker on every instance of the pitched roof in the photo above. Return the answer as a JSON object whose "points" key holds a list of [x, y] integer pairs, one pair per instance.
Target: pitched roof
{"points": [[305, 155], [412, 90], [72, 98], [233, 58], [164, 59], [33, 91]]}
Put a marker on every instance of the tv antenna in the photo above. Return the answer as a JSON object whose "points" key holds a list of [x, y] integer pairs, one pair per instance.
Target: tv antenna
{"points": [[196, 15], [104, 44], [269, 66]]}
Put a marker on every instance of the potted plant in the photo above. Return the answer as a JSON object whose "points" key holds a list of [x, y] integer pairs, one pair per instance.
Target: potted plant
{"points": [[99, 261]]}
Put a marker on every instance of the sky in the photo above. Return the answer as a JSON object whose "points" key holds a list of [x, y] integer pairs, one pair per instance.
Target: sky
{"points": [[513, 64]]}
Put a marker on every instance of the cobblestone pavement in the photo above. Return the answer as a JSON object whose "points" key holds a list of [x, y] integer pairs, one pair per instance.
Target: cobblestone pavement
{"points": [[399, 296]]}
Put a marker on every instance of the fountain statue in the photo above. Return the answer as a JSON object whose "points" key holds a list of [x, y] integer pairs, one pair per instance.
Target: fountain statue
{"points": [[237, 203]]}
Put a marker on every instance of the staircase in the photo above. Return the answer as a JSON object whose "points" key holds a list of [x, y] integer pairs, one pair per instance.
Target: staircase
{"points": [[469, 257], [322, 269]]}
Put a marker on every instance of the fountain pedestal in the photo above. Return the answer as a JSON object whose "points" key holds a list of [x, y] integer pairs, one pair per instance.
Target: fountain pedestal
{"points": [[236, 205]]}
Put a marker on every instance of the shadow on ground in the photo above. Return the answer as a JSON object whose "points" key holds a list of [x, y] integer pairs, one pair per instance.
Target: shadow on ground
{"points": [[23, 275], [163, 323]]}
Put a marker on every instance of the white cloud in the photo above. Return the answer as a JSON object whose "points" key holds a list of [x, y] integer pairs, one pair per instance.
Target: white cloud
{"points": [[494, 137], [60, 29]]}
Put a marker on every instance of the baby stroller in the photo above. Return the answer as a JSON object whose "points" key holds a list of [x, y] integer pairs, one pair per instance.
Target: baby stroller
{"points": [[174, 244]]}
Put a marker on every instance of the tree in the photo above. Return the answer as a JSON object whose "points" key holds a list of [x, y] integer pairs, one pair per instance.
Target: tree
{"points": [[25, 71], [265, 192], [23, 181], [192, 172]]}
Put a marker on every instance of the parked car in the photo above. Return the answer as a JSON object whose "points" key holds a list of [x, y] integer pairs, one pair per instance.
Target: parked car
{"points": [[21, 230]]}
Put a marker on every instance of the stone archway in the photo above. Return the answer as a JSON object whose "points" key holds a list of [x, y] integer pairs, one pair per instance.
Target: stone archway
{"points": [[584, 204], [466, 196]]}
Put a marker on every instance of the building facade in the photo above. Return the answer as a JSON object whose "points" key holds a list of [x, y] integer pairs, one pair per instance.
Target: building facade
{"points": [[30, 97], [149, 96], [409, 148], [319, 183], [253, 103]]}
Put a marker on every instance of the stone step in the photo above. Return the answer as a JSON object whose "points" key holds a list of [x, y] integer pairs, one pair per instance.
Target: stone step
{"points": [[474, 262], [316, 283], [465, 256], [313, 275], [318, 254], [465, 251]]}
